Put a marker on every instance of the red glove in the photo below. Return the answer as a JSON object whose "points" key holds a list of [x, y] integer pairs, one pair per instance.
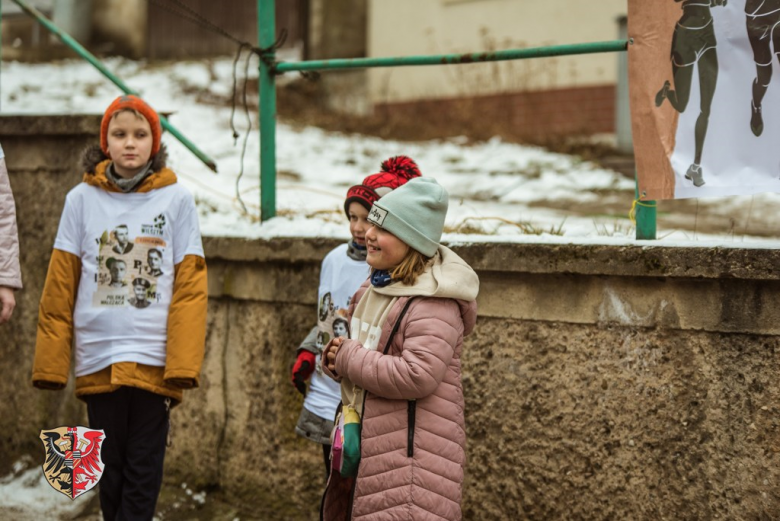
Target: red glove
{"points": [[302, 370]]}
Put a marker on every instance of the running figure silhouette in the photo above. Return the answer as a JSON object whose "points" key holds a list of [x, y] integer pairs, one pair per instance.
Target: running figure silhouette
{"points": [[693, 43], [762, 18]]}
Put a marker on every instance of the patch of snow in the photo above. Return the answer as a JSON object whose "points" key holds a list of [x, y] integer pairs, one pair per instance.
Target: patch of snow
{"points": [[25, 494]]}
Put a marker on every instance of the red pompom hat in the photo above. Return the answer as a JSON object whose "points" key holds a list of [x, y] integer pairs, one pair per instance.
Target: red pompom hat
{"points": [[394, 172], [125, 102]]}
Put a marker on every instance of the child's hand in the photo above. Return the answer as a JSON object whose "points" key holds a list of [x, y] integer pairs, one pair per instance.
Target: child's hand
{"points": [[7, 304], [333, 350]]}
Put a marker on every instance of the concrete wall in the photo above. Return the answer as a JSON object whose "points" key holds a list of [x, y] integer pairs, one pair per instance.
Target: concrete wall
{"points": [[537, 100], [601, 382], [120, 27], [410, 27], [338, 29]]}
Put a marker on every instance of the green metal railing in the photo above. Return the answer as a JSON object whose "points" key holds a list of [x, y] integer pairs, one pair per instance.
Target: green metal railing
{"points": [[266, 35], [454, 59], [644, 213], [644, 210], [81, 51]]}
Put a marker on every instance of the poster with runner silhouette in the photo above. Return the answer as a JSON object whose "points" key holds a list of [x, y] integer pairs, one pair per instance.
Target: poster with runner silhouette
{"points": [[703, 96]]}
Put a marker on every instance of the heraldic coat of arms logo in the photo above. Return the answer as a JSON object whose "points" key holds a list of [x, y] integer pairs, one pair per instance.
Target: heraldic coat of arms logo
{"points": [[73, 464]]}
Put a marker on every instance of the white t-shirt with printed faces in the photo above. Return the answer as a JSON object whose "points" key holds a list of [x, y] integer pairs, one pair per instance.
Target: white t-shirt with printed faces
{"points": [[128, 245], [340, 277]]}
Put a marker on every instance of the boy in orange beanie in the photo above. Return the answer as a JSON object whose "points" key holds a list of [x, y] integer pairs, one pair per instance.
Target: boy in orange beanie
{"points": [[132, 361]]}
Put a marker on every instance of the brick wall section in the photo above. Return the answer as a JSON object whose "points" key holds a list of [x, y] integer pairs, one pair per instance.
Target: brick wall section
{"points": [[530, 115]]}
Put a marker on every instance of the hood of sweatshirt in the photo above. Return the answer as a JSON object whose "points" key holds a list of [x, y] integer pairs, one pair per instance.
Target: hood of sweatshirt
{"points": [[95, 163], [447, 276]]}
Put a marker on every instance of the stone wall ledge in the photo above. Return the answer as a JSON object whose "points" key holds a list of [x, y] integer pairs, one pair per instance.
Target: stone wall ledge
{"points": [[698, 289], [67, 125], [540, 258]]}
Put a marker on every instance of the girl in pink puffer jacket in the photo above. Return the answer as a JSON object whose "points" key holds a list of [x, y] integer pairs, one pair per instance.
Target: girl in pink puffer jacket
{"points": [[10, 272], [407, 388]]}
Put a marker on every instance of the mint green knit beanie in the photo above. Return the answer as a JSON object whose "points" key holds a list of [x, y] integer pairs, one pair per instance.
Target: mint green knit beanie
{"points": [[414, 213]]}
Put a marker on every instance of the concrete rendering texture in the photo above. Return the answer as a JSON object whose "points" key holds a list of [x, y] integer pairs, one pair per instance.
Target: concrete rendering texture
{"points": [[601, 382]]}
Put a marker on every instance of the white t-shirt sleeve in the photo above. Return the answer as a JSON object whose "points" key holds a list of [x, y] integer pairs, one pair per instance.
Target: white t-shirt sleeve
{"points": [[186, 239], [70, 230]]}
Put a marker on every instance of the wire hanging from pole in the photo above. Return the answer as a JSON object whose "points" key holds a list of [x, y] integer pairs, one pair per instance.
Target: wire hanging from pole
{"points": [[248, 120], [266, 54]]}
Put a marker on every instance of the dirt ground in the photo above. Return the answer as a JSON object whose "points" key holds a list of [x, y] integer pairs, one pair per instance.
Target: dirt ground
{"points": [[174, 504]]}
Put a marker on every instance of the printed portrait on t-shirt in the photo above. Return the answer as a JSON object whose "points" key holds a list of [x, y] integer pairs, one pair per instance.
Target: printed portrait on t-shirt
{"points": [[154, 262], [340, 327], [121, 240], [140, 298], [322, 340], [332, 322], [117, 269], [129, 279], [326, 307]]}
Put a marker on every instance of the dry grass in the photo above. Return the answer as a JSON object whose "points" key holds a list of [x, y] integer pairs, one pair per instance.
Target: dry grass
{"points": [[614, 229], [468, 226]]}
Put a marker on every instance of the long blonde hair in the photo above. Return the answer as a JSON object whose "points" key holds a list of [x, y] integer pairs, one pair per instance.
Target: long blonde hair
{"points": [[411, 267]]}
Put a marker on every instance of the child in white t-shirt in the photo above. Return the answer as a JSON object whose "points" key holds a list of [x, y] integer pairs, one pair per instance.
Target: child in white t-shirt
{"points": [[125, 298], [343, 271]]}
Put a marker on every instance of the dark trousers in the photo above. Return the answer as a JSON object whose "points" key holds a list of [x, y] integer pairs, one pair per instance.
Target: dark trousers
{"points": [[326, 453], [136, 426]]}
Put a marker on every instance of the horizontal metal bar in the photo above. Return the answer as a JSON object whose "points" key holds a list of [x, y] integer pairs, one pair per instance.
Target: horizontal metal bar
{"points": [[448, 59], [81, 51]]}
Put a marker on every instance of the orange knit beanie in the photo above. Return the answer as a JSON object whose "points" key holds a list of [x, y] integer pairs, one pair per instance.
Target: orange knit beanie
{"points": [[125, 102]]}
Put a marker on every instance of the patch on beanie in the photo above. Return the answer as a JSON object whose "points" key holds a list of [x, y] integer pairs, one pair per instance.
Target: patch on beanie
{"points": [[364, 192], [377, 215]]}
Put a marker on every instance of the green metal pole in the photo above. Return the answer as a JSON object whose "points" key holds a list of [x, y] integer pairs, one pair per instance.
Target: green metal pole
{"points": [[446, 59], [645, 217], [266, 27], [76, 46]]}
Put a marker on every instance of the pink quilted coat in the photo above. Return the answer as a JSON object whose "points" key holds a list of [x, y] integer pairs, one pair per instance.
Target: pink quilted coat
{"points": [[413, 430], [10, 274]]}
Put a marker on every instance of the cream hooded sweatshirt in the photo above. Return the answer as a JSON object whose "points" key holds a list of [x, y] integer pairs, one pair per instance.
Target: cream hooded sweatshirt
{"points": [[447, 276]]}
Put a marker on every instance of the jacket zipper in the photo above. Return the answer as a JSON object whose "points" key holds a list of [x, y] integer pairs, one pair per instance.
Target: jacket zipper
{"points": [[411, 411]]}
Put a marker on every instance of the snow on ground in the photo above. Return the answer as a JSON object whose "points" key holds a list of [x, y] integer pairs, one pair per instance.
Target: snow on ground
{"points": [[25, 495], [498, 191]]}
